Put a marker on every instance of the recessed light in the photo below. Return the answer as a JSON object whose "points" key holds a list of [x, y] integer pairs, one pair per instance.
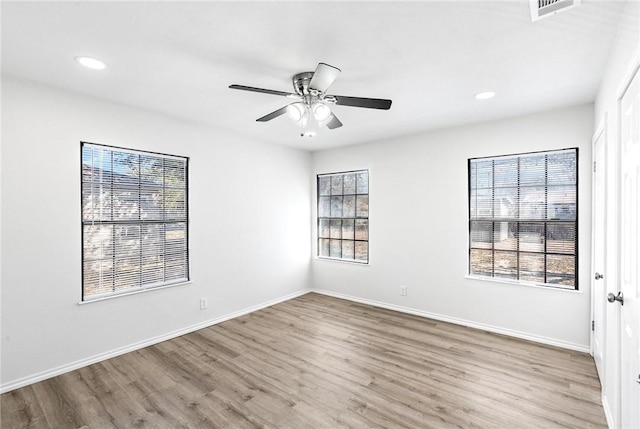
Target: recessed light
{"points": [[485, 95], [91, 63]]}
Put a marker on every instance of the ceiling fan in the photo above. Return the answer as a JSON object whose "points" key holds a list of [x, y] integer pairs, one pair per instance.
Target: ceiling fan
{"points": [[311, 109]]}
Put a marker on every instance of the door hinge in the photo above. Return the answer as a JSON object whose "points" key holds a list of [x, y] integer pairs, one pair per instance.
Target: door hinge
{"points": [[593, 325]]}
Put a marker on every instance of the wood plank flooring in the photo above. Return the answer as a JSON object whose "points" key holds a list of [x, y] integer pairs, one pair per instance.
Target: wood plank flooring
{"points": [[322, 362]]}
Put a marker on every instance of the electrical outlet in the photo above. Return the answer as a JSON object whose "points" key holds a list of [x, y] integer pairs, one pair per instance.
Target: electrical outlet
{"points": [[203, 303], [403, 290]]}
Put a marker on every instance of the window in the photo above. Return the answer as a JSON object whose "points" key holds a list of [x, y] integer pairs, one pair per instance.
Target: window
{"points": [[343, 216], [134, 221], [523, 217]]}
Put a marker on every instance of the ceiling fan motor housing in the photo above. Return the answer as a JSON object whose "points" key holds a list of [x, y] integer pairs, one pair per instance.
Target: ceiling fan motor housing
{"points": [[309, 96], [301, 83]]}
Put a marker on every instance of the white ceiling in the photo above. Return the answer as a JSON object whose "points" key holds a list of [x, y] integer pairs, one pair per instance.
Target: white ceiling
{"points": [[430, 58]]}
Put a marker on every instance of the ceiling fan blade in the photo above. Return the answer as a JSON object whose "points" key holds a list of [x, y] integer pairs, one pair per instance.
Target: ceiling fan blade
{"points": [[370, 103], [264, 91], [273, 114], [334, 122], [323, 77]]}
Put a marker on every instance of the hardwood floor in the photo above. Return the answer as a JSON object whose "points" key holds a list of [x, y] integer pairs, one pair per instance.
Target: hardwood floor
{"points": [[321, 362]]}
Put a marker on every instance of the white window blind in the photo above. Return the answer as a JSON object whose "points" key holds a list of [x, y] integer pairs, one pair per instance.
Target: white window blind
{"points": [[523, 217], [134, 221], [343, 216]]}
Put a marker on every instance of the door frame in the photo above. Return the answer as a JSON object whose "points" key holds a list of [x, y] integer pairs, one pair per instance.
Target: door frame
{"points": [[601, 132]]}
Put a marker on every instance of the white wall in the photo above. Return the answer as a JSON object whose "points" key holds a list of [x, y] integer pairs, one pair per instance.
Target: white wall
{"points": [[249, 229], [419, 227], [624, 57]]}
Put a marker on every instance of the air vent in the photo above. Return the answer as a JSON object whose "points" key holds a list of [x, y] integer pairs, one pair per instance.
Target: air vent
{"points": [[543, 8]]}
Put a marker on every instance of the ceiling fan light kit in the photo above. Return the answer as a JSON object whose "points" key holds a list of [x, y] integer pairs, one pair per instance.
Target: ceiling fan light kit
{"points": [[309, 118], [295, 112], [311, 111]]}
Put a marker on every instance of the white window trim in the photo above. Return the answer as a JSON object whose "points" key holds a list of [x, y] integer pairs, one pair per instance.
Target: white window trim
{"points": [[317, 218], [143, 287], [547, 286]]}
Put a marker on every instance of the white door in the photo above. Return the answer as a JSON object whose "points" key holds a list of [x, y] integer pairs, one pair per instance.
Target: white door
{"points": [[599, 247], [629, 255]]}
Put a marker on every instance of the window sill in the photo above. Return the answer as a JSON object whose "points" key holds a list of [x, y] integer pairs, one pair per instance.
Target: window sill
{"points": [[343, 261], [521, 283], [134, 292]]}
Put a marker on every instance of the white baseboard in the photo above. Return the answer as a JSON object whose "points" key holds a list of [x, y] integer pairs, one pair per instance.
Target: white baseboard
{"points": [[457, 321], [607, 412], [34, 378]]}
